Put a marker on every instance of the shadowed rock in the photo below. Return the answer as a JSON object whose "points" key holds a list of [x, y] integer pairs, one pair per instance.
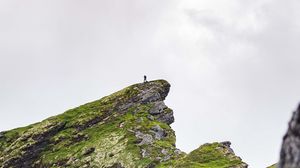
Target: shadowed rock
{"points": [[290, 150], [159, 133]]}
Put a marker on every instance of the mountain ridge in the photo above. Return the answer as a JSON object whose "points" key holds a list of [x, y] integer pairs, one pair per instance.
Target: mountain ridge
{"points": [[129, 128]]}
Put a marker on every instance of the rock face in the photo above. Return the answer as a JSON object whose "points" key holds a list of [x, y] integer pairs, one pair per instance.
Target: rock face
{"points": [[290, 150], [128, 129]]}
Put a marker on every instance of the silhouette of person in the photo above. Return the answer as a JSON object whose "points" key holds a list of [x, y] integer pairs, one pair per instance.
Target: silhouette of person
{"points": [[145, 79]]}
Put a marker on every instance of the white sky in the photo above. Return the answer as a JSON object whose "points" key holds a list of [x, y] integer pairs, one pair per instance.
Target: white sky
{"points": [[233, 65]]}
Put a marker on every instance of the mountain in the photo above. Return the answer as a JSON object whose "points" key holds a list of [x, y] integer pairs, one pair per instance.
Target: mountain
{"points": [[127, 129]]}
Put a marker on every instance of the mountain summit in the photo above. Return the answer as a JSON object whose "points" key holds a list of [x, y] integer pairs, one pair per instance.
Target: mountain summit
{"points": [[127, 129]]}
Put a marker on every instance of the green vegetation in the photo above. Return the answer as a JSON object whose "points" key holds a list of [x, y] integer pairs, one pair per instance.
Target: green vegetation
{"points": [[273, 166], [215, 155]]}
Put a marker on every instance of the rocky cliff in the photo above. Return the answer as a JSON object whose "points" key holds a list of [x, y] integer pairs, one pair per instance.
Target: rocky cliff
{"points": [[290, 150], [128, 129]]}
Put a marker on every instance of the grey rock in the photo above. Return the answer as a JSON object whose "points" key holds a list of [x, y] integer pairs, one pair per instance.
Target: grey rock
{"points": [[242, 165], [139, 120], [158, 158], [150, 96], [166, 158], [149, 92], [116, 165], [166, 117], [153, 91], [71, 160], [146, 139], [164, 151], [178, 152], [125, 106], [150, 117], [122, 125], [88, 151], [145, 153], [290, 149], [151, 165], [159, 133], [85, 166], [226, 143], [158, 108], [1, 135]]}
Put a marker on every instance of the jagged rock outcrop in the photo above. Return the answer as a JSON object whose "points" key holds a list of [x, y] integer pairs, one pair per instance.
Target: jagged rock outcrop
{"points": [[290, 150], [210, 155], [128, 129]]}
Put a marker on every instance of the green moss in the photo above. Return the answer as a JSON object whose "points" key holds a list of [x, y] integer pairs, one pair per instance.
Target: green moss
{"points": [[273, 166], [10, 136]]}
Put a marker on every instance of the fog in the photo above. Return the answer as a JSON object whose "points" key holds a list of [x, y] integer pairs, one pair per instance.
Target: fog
{"points": [[233, 65]]}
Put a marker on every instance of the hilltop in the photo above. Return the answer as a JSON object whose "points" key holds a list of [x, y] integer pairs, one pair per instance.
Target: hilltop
{"points": [[127, 129]]}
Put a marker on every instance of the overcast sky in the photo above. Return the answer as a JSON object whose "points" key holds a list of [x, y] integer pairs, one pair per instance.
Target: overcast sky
{"points": [[233, 64]]}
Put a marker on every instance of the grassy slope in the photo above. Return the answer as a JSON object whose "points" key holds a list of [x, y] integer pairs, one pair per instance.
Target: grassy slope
{"points": [[213, 155], [273, 166]]}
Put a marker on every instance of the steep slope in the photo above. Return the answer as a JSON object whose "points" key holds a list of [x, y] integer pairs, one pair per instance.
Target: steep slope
{"points": [[130, 128], [290, 150]]}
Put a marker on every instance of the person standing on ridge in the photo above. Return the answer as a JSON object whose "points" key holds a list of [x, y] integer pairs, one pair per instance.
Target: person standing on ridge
{"points": [[145, 79]]}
